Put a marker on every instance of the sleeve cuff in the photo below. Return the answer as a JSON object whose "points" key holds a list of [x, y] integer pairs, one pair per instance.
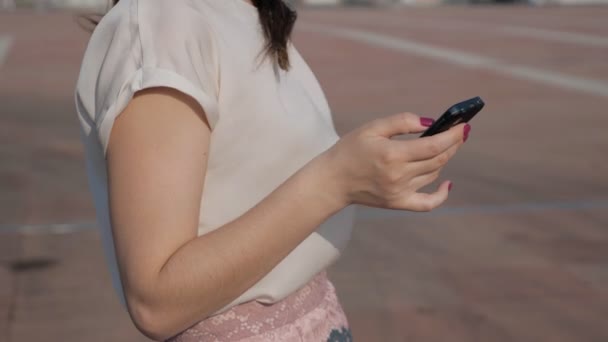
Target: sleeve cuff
{"points": [[147, 77]]}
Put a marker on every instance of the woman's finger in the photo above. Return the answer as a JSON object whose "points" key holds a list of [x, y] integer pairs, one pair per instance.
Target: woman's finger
{"points": [[429, 147], [402, 123], [432, 165], [420, 201], [421, 181], [425, 123]]}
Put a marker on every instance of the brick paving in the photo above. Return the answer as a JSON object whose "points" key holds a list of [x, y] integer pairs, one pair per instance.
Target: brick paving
{"points": [[520, 252]]}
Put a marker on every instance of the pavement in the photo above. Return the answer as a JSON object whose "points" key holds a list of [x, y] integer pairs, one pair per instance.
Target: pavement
{"points": [[518, 253]]}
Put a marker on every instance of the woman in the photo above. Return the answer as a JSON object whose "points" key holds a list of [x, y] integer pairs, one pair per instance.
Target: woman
{"points": [[221, 187]]}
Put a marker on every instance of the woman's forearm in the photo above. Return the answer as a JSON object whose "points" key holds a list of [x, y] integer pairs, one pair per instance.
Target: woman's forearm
{"points": [[213, 269]]}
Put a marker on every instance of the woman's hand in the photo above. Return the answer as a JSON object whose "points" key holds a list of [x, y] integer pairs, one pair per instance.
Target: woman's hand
{"points": [[374, 170]]}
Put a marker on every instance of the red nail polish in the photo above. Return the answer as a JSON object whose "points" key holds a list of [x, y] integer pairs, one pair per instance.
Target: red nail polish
{"points": [[450, 186], [426, 122], [467, 129]]}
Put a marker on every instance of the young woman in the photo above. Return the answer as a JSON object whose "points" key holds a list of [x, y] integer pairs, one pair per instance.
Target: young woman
{"points": [[221, 187]]}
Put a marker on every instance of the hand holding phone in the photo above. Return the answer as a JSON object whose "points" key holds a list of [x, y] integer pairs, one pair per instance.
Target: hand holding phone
{"points": [[458, 113]]}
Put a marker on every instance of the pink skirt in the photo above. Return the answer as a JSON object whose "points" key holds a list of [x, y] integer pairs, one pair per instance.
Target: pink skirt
{"points": [[313, 313]]}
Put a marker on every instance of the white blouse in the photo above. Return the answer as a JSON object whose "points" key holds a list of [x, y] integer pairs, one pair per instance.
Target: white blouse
{"points": [[266, 123]]}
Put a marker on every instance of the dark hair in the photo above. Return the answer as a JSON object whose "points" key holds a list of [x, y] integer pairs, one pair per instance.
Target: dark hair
{"points": [[277, 20]]}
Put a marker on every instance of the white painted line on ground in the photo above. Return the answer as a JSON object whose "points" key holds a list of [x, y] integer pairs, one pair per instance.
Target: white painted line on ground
{"points": [[5, 45], [558, 36], [53, 228], [465, 59], [574, 38], [366, 213], [487, 209]]}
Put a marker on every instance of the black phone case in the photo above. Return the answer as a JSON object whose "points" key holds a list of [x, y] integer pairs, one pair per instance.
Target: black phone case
{"points": [[460, 112]]}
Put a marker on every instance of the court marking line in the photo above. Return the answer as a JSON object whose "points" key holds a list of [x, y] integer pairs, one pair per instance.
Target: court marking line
{"points": [[5, 45], [558, 36], [52, 228], [365, 213], [464, 59], [485, 209], [568, 37]]}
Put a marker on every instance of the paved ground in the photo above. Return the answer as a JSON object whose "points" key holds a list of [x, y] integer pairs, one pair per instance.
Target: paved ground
{"points": [[519, 253]]}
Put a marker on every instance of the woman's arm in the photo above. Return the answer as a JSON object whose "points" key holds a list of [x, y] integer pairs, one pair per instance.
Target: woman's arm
{"points": [[157, 158]]}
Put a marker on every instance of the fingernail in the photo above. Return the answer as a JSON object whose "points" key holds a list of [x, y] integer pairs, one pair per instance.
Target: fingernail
{"points": [[450, 186], [467, 129], [426, 122]]}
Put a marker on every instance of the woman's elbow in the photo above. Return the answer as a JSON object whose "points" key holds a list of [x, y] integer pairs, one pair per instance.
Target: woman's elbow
{"points": [[149, 320]]}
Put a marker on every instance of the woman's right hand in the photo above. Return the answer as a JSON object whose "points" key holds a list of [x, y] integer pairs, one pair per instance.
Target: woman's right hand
{"points": [[374, 170]]}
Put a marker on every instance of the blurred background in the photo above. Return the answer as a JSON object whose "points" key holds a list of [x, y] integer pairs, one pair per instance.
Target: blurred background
{"points": [[518, 253]]}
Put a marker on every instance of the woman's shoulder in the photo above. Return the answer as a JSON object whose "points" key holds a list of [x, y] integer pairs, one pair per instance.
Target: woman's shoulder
{"points": [[175, 13], [141, 44], [160, 14]]}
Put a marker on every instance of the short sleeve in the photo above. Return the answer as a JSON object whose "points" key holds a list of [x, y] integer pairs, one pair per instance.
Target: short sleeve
{"points": [[168, 47]]}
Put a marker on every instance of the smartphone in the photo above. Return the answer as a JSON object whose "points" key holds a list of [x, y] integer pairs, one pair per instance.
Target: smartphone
{"points": [[460, 112]]}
